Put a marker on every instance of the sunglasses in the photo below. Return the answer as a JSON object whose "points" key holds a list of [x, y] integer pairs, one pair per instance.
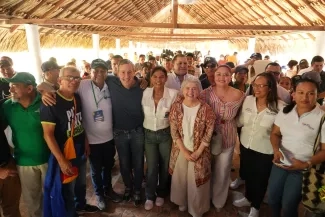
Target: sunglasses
{"points": [[71, 78]]}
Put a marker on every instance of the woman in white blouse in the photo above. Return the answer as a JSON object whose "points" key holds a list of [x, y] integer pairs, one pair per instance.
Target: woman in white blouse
{"points": [[292, 137], [256, 119], [156, 103]]}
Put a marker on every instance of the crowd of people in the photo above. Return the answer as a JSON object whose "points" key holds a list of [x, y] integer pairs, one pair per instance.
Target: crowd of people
{"points": [[182, 117]]}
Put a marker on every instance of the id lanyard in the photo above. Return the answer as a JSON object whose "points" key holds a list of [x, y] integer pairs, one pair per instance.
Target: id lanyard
{"points": [[97, 103]]}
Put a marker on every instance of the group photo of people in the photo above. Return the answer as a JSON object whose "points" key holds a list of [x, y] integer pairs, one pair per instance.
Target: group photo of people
{"points": [[171, 131]]}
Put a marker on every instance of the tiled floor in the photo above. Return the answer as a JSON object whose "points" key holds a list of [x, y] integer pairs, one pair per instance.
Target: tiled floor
{"points": [[168, 210]]}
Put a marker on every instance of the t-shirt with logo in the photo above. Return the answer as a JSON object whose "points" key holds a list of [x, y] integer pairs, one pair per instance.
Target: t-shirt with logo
{"points": [[27, 132], [61, 115]]}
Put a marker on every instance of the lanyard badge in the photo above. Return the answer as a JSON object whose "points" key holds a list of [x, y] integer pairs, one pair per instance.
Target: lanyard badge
{"points": [[98, 115]]}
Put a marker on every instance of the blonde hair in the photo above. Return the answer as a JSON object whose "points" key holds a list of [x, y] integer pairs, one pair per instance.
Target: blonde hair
{"points": [[193, 80]]}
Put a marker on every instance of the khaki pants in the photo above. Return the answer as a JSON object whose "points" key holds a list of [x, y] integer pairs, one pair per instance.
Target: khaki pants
{"points": [[221, 167], [32, 182], [184, 191], [10, 192]]}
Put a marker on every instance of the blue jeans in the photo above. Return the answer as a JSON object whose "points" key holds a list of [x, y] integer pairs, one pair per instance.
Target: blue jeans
{"points": [[157, 149], [284, 192], [101, 160], [130, 148]]}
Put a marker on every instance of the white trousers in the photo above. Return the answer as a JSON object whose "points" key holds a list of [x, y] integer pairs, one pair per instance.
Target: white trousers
{"points": [[184, 191], [221, 168], [32, 182]]}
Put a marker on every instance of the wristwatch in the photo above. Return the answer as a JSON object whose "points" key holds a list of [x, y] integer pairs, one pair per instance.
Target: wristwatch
{"points": [[309, 165]]}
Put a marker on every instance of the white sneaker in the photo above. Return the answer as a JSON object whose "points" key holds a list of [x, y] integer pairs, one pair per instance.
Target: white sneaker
{"points": [[241, 202], [182, 208], [253, 213], [238, 182], [160, 201], [101, 203], [148, 205]]}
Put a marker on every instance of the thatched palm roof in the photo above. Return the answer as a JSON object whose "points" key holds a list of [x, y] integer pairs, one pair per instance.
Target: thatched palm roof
{"points": [[70, 23]]}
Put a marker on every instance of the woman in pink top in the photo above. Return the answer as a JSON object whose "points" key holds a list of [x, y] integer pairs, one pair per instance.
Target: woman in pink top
{"points": [[225, 101]]}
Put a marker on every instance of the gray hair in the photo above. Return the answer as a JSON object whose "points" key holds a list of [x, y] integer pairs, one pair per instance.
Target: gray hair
{"points": [[68, 68], [193, 80]]}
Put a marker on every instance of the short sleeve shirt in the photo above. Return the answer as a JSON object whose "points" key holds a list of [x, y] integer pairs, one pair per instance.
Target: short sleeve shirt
{"points": [[61, 115], [299, 133], [126, 104]]}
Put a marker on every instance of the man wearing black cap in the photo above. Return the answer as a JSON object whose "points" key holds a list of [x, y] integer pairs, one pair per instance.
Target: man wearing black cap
{"points": [[209, 67], [98, 123], [51, 72], [241, 74]]}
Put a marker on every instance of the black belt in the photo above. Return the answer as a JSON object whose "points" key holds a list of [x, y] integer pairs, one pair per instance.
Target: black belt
{"points": [[167, 130], [128, 131]]}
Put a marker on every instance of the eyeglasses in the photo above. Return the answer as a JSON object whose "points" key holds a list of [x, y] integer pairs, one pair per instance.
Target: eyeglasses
{"points": [[273, 72], [259, 85], [210, 66], [71, 78]]}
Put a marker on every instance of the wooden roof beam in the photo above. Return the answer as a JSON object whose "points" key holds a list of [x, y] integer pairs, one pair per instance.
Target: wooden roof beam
{"points": [[174, 6], [78, 22], [110, 33]]}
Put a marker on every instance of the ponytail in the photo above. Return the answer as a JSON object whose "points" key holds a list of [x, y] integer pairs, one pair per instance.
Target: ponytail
{"points": [[289, 107]]}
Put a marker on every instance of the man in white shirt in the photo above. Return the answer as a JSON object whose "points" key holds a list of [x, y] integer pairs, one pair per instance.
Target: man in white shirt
{"points": [[258, 66], [275, 69], [98, 124], [179, 73]]}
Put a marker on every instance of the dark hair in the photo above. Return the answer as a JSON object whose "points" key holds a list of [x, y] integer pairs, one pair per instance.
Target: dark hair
{"points": [[230, 64], [151, 58], [296, 80], [317, 59], [158, 68], [176, 56], [272, 64], [8, 59], [292, 63], [117, 57], [189, 55], [142, 55], [272, 96]]}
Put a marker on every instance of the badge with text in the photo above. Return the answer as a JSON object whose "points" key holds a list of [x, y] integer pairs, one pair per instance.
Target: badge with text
{"points": [[98, 115]]}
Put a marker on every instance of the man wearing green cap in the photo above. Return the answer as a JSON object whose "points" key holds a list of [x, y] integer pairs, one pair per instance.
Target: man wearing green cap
{"points": [[22, 114]]}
